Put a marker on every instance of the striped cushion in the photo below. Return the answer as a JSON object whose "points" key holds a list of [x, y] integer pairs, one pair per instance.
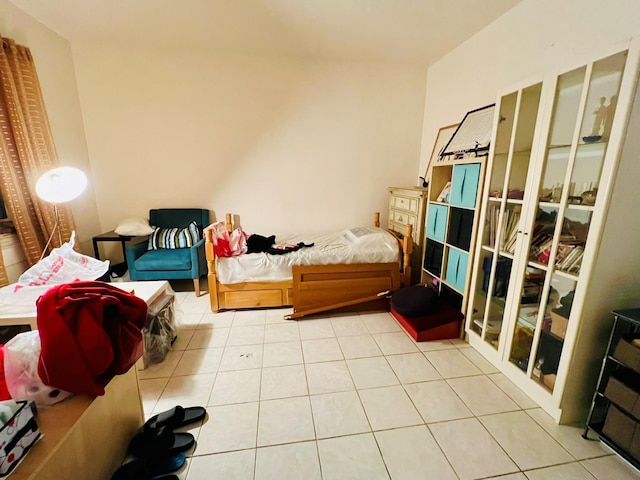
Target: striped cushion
{"points": [[174, 237]]}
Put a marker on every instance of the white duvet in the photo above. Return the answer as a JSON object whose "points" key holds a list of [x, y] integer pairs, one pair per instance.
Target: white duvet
{"points": [[356, 245]]}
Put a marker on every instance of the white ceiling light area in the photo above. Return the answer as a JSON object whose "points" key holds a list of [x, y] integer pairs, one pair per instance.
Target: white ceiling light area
{"points": [[398, 31]]}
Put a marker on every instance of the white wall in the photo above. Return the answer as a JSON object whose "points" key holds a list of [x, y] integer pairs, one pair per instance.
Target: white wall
{"points": [[290, 145], [54, 63], [525, 43]]}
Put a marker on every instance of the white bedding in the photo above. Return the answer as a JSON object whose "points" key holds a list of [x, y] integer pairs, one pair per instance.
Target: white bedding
{"points": [[356, 245]]}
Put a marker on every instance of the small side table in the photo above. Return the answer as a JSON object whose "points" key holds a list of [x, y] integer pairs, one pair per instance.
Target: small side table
{"points": [[112, 236]]}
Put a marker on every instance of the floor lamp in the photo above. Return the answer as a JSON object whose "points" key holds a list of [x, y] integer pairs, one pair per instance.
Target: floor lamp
{"points": [[56, 186]]}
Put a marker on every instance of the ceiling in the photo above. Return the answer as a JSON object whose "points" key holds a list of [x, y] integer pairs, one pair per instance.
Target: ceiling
{"points": [[404, 31]]}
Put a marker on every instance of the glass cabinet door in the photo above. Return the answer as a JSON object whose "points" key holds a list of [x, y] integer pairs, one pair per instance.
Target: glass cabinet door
{"points": [[583, 109], [508, 175]]}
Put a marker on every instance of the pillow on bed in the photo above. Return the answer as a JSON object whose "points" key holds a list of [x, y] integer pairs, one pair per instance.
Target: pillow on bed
{"points": [[134, 227], [359, 233], [174, 237]]}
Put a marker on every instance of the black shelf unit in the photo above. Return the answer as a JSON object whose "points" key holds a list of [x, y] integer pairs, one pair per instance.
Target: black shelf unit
{"points": [[615, 411]]}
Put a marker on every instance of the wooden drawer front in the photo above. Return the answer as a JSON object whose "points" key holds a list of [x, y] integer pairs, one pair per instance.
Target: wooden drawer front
{"points": [[409, 204], [457, 262], [398, 223], [257, 298], [404, 218]]}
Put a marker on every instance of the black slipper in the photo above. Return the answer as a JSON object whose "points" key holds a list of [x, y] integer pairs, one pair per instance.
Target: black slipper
{"points": [[149, 469], [160, 442], [176, 417]]}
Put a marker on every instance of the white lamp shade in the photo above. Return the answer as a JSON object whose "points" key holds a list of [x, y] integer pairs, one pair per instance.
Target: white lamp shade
{"points": [[61, 184]]}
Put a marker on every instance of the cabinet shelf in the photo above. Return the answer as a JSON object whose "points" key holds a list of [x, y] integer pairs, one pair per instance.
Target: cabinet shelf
{"points": [[567, 275], [549, 204]]}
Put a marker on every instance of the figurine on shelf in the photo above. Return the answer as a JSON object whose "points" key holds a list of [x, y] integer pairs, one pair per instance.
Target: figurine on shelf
{"points": [[608, 121], [601, 116], [589, 197], [598, 122]]}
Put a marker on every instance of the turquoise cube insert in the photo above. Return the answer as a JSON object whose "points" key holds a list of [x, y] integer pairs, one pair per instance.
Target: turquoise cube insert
{"points": [[437, 222], [464, 185], [457, 263]]}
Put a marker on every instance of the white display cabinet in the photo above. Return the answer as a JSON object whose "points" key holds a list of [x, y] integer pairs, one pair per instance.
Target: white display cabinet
{"points": [[553, 206]]}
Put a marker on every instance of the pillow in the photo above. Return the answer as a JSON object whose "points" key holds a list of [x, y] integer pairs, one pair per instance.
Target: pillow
{"points": [[358, 233], [174, 237], [134, 227]]}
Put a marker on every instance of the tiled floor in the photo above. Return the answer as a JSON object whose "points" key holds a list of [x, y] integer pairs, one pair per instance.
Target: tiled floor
{"points": [[354, 397]]}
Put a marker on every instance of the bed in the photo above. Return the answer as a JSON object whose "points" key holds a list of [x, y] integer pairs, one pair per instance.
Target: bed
{"points": [[312, 279]]}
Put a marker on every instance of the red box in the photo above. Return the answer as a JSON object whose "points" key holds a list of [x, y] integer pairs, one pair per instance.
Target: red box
{"points": [[442, 324]]}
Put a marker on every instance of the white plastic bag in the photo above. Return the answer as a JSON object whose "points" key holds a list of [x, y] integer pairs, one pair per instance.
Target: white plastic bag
{"points": [[62, 265], [21, 355]]}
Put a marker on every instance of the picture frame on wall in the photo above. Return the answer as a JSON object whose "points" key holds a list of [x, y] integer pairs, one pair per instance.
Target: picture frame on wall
{"points": [[442, 139]]}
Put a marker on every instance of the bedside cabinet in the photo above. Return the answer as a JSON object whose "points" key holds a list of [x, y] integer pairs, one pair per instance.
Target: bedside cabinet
{"points": [[407, 205]]}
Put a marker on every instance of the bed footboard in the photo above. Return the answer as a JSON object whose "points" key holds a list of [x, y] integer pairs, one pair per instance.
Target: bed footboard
{"points": [[317, 288]]}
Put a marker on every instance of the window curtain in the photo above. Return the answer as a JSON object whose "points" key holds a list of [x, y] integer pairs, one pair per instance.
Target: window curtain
{"points": [[26, 152]]}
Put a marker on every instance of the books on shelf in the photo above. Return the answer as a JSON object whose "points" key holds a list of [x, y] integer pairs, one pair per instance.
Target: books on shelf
{"points": [[494, 212], [510, 226], [541, 241], [570, 247], [572, 261]]}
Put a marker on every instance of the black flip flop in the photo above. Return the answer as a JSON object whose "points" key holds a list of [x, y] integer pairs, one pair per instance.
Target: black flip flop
{"points": [[150, 468], [160, 442], [176, 417]]}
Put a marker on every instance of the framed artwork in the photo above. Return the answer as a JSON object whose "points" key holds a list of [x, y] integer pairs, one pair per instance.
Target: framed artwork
{"points": [[473, 134], [443, 137]]}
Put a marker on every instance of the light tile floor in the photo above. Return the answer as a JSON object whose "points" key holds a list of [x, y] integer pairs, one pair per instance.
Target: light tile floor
{"points": [[354, 397]]}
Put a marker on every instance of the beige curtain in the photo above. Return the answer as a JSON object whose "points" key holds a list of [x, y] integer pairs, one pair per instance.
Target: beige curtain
{"points": [[26, 152]]}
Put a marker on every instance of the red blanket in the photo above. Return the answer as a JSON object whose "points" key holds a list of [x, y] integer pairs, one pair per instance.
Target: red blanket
{"points": [[89, 331]]}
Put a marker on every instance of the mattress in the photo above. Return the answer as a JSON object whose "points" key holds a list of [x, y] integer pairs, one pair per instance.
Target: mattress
{"points": [[356, 245]]}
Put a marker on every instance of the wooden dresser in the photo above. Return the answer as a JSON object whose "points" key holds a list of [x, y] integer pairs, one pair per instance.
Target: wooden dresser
{"points": [[408, 205]]}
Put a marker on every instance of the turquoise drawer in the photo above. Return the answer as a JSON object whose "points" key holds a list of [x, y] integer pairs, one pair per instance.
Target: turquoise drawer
{"points": [[457, 263], [437, 222], [464, 185]]}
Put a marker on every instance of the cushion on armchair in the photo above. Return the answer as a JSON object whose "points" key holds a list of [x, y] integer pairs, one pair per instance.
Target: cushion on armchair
{"points": [[162, 238]]}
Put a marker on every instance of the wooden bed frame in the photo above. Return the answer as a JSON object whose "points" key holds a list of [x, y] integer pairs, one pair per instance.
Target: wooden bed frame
{"points": [[313, 288]]}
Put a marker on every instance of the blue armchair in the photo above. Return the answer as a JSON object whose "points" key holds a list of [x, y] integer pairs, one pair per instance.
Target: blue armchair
{"points": [[170, 263]]}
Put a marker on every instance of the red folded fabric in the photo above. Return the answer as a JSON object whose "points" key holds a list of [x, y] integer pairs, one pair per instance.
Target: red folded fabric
{"points": [[89, 331]]}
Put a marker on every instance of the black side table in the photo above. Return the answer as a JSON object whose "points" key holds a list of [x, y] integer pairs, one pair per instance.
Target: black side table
{"points": [[112, 236]]}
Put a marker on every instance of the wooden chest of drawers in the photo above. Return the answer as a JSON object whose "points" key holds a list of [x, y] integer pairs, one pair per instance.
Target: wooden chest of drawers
{"points": [[407, 205]]}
